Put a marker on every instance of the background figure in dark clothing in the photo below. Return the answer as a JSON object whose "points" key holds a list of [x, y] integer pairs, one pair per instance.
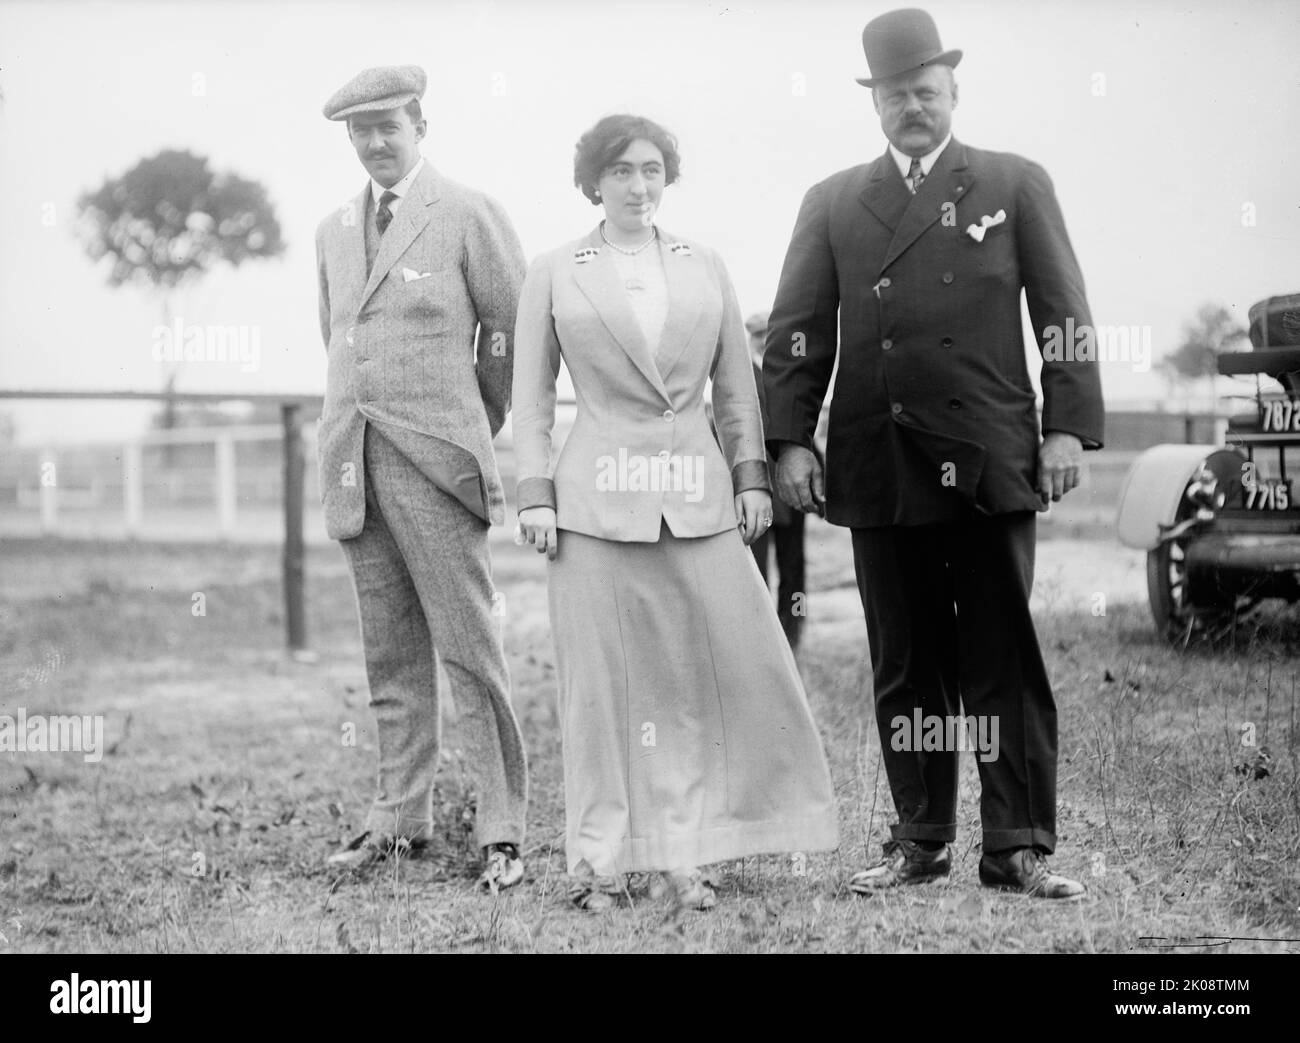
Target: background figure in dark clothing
{"points": [[786, 533]]}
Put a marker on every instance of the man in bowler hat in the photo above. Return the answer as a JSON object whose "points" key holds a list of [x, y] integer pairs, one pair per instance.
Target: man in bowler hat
{"points": [[936, 457], [419, 282]]}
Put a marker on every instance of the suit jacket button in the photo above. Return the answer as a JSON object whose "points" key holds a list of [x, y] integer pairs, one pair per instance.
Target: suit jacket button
{"points": [[947, 277], [896, 408], [954, 403], [884, 283], [352, 336], [886, 343], [946, 342], [668, 415]]}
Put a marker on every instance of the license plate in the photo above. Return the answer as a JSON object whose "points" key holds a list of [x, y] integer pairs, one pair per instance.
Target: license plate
{"points": [[1268, 494], [1279, 414]]}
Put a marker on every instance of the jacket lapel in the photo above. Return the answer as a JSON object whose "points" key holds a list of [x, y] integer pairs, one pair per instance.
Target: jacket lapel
{"points": [[886, 194], [949, 181], [352, 243], [599, 282], [685, 300], [409, 221]]}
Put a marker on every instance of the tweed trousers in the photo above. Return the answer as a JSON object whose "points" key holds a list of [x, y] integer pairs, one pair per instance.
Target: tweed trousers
{"points": [[422, 575]]}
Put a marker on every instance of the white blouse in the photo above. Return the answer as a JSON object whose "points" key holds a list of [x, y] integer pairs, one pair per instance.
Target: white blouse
{"points": [[647, 291]]}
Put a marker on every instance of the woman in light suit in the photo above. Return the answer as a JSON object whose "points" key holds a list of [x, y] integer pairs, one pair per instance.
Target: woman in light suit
{"points": [[686, 733]]}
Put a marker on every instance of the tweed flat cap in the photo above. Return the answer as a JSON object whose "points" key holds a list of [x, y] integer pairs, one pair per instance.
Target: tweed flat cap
{"points": [[375, 90]]}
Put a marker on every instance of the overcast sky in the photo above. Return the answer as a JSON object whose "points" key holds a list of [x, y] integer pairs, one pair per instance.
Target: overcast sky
{"points": [[1160, 123]]}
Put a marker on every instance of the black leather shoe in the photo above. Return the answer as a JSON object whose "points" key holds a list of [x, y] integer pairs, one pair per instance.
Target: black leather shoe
{"points": [[502, 868], [904, 862], [1024, 869], [366, 850]]}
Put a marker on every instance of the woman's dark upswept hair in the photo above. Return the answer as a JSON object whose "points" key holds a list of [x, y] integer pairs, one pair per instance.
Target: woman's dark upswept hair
{"points": [[607, 140]]}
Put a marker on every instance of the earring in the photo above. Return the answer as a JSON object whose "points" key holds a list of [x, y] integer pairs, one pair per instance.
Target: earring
{"points": [[597, 193]]}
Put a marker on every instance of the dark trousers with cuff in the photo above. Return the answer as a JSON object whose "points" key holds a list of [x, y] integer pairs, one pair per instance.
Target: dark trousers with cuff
{"points": [[947, 610]]}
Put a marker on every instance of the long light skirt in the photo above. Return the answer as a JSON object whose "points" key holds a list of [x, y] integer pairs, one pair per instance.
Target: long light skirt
{"points": [[687, 735]]}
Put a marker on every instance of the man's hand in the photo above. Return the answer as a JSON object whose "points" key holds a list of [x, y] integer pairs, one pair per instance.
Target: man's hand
{"points": [[537, 526], [1059, 460], [799, 479]]}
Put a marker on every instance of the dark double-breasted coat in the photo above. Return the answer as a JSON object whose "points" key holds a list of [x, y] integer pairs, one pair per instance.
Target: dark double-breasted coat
{"points": [[932, 402], [932, 451]]}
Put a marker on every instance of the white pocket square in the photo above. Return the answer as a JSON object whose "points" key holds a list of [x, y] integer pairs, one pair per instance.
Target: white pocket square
{"points": [[976, 232], [410, 275]]}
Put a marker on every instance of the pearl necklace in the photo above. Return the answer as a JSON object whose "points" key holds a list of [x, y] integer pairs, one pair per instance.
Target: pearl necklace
{"points": [[624, 250], [634, 283]]}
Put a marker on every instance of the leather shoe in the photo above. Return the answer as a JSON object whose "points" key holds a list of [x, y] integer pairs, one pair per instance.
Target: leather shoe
{"points": [[596, 894], [904, 862], [1024, 869], [367, 849], [692, 889], [502, 868]]}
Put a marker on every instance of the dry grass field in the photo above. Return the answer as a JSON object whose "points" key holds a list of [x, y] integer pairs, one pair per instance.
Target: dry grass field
{"points": [[225, 782]]}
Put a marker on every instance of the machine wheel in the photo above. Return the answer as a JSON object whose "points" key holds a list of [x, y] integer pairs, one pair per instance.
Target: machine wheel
{"points": [[1174, 617], [1177, 620]]}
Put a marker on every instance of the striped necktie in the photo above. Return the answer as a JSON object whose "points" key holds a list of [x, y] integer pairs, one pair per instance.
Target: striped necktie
{"points": [[915, 175], [383, 215]]}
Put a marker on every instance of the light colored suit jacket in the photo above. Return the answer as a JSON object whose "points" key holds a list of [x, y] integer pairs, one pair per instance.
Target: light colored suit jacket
{"points": [[422, 348], [641, 448]]}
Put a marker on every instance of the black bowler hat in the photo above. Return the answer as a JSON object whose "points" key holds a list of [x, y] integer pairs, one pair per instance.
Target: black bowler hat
{"points": [[900, 41]]}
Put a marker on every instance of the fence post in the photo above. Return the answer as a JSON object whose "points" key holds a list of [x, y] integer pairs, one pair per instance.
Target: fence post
{"points": [[294, 465], [225, 479], [1189, 428], [49, 491], [133, 487]]}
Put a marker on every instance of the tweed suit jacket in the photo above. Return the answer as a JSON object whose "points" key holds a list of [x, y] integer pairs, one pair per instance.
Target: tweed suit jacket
{"points": [[932, 403], [423, 347], [641, 449]]}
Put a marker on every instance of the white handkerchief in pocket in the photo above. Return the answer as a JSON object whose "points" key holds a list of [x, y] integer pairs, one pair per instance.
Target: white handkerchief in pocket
{"points": [[410, 275]]}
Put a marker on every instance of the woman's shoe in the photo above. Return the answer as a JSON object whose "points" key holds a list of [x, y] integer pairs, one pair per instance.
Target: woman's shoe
{"points": [[595, 894], [692, 888]]}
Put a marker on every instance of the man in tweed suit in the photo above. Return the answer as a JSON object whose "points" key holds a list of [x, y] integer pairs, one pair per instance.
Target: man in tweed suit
{"points": [[419, 282]]}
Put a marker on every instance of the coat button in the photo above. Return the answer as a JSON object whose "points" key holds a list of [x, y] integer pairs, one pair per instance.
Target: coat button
{"points": [[669, 415], [946, 342], [352, 336], [884, 283], [954, 403], [886, 343], [896, 408], [947, 277]]}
